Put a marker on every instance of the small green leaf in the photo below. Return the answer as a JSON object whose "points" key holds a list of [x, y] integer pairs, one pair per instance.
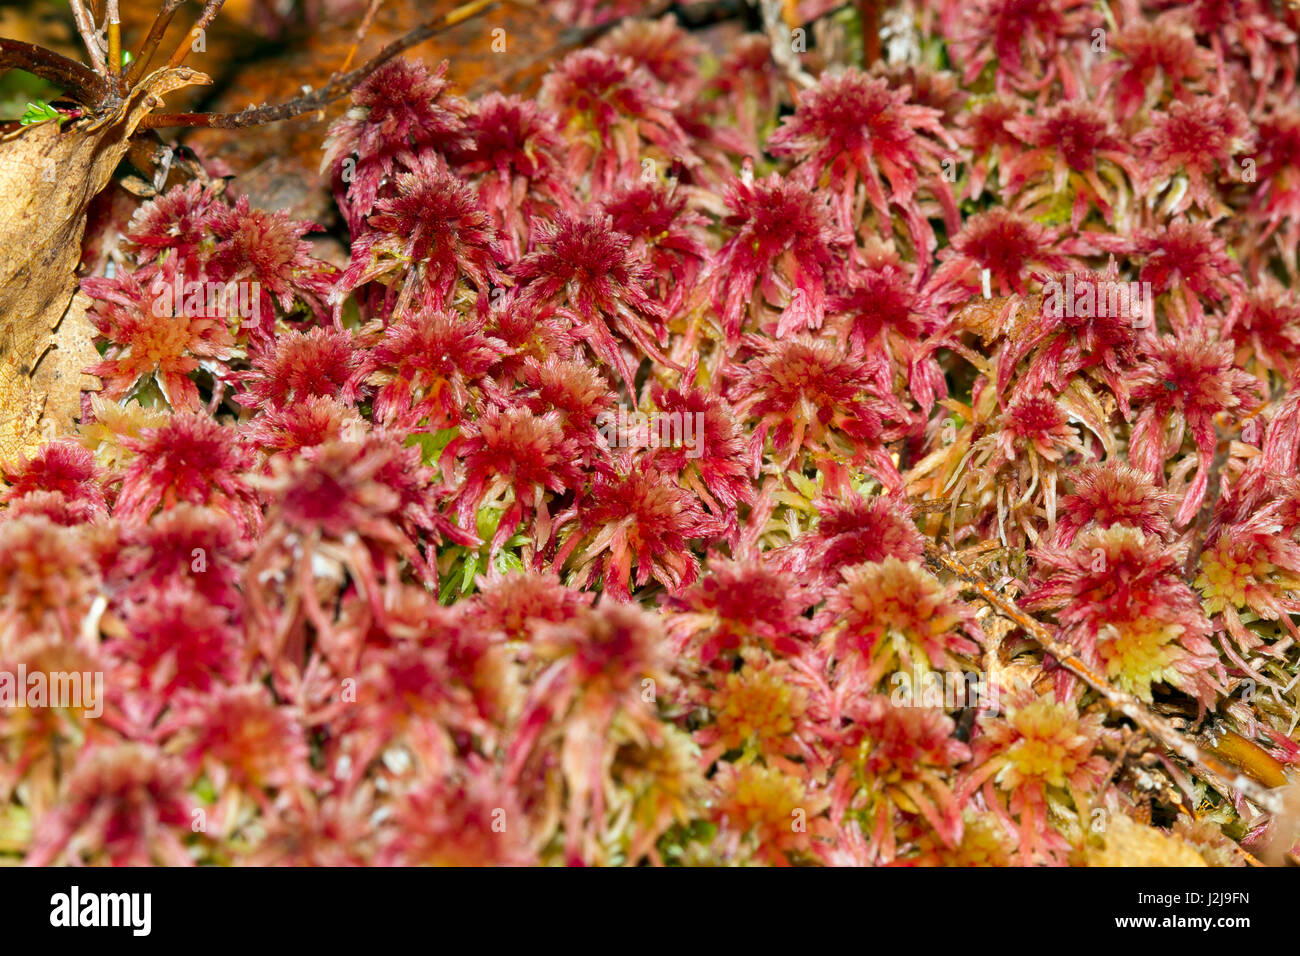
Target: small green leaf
{"points": [[448, 590], [432, 444], [467, 575], [486, 522], [40, 113], [508, 561]]}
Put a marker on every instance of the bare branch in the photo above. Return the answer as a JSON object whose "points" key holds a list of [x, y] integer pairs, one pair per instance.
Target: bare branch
{"points": [[210, 11], [150, 45], [80, 81], [114, 19], [335, 89], [360, 35], [89, 35]]}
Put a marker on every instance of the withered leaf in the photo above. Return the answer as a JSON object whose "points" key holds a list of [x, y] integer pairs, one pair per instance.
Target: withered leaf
{"points": [[48, 176], [1005, 315]]}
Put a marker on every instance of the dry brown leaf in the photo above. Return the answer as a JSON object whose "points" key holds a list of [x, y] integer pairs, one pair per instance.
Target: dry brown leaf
{"points": [[1005, 315], [59, 376], [48, 176]]}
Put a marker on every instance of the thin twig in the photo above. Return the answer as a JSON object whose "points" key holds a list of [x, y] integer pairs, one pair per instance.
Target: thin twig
{"points": [[210, 11], [114, 18], [336, 88], [1155, 726], [150, 45], [1129, 744], [360, 35], [1246, 857], [89, 36]]}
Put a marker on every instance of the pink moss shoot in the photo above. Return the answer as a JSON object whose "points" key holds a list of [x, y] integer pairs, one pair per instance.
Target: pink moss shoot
{"points": [[686, 451]]}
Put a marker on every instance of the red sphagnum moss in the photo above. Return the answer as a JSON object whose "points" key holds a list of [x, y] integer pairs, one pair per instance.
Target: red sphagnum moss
{"points": [[691, 464]]}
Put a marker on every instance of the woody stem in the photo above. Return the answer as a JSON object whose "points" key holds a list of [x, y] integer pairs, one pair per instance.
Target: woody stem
{"points": [[210, 11], [335, 89], [150, 46]]}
